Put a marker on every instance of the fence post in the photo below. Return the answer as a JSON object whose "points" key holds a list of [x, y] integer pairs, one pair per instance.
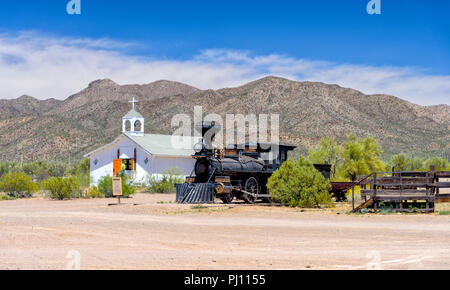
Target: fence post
{"points": [[374, 190], [353, 197], [401, 190]]}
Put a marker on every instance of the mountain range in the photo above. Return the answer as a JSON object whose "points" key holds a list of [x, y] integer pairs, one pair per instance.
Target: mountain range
{"points": [[64, 130]]}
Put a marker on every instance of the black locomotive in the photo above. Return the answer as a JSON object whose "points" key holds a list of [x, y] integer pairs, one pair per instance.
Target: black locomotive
{"points": [[239, 171]]}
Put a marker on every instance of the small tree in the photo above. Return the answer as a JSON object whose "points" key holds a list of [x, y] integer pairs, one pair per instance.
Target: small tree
{"points": [[326, 153], [61, 188], [361, 157], [440, 163], [401, 162], [299, 184], [17, 185], [416, 164]]}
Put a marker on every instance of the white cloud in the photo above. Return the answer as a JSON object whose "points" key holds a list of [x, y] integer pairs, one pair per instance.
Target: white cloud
{"points": [[44, 67]]}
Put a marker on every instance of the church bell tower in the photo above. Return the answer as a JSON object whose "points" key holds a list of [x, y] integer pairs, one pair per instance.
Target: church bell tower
{"points": [[133, 122]]}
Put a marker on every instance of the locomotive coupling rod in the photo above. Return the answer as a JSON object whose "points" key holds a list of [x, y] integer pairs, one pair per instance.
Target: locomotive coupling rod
{"points": [[250, 193]]}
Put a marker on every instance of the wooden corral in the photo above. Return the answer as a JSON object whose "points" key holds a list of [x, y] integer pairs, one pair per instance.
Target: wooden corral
{"points": [[404, 191], [441, 185]]}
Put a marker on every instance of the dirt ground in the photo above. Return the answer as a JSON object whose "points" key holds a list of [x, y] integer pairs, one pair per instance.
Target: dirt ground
{"points": [[152, 232]]}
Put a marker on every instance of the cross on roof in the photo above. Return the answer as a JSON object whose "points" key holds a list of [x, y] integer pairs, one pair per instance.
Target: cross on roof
{"points": [[133, 102]]}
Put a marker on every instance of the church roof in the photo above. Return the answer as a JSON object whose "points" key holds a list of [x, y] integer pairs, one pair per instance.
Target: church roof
{"points": [[166, 145], [133, 114], [159, 145]]}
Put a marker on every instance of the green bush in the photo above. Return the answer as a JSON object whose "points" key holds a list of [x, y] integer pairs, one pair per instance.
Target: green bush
{"points": [[6, 197], [166, 184], [440, 163], [105, 186], [299, 184], [93, 192], [8, 167], [81, 172], [17, 185], [61, 188]]}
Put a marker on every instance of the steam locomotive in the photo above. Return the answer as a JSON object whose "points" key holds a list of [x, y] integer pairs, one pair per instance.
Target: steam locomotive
{"points": [[240, 171]]}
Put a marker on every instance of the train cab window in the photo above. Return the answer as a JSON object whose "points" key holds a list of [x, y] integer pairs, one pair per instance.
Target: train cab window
{"points": [[268, 159], [283, 156]]}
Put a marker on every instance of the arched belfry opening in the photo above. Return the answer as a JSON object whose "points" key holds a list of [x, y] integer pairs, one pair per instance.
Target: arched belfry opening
{"points": [[133, 121], [137, 126], [127, 126]]}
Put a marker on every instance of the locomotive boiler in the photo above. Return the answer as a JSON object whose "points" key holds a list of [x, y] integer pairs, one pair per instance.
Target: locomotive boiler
{"points": [[239, 171]]}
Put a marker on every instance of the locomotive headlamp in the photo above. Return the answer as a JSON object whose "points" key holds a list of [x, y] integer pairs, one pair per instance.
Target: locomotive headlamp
{"points": [[199, 147]]}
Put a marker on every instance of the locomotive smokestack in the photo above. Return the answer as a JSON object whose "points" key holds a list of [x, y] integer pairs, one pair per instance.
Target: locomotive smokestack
{"points": [[208, 131]]}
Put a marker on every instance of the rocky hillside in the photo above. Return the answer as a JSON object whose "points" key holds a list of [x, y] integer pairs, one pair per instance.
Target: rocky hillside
{"points": [[53, 129]]}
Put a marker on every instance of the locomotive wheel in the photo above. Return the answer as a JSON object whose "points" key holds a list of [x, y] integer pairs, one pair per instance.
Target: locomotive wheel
{"points": [[228, 198], [251, 185]]}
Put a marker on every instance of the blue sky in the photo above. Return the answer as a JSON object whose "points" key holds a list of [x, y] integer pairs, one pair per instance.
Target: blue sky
{"points": [[304, 40]]}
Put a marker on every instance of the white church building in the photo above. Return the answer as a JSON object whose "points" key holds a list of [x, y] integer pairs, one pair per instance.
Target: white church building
{"points": [[139, 154]]}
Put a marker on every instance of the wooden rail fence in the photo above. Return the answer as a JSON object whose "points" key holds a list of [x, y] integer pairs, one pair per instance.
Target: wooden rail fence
{"points": [[404, 190]]}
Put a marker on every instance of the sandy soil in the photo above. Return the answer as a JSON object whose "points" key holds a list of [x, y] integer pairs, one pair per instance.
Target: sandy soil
{"points": [[151, 232]]}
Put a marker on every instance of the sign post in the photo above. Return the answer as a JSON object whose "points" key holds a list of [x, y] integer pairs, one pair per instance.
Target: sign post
{"points": [[117, 187]]}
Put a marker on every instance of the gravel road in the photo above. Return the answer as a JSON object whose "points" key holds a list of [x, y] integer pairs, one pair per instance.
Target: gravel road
{"points": [[151, 232]]}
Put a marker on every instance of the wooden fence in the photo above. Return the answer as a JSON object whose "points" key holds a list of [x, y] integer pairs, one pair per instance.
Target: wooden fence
{"points": [[405, 190]]}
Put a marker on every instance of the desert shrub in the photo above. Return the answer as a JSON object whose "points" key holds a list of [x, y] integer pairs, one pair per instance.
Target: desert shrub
{"points": [[18, 185], [299, 184], [166, 184], [402, 162], [94, 192], [81, 172], [61, 188], [6, 197], [105, 186], [440, 163], [8, 167]]}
